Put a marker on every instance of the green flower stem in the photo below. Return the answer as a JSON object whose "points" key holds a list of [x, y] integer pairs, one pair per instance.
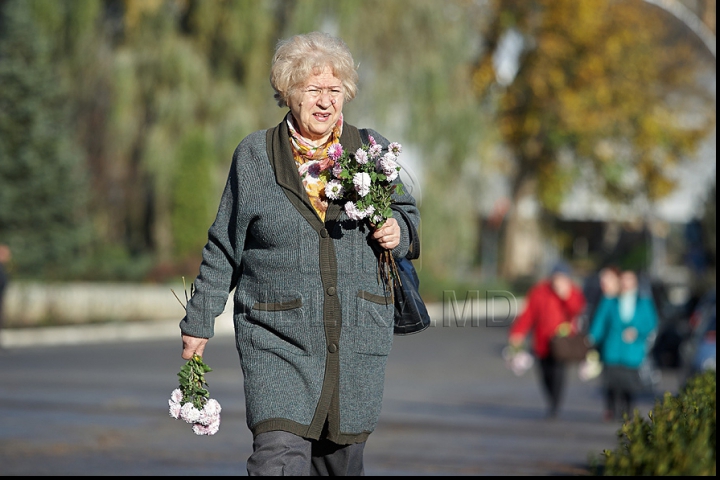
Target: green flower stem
{"points": [[192, 382]]}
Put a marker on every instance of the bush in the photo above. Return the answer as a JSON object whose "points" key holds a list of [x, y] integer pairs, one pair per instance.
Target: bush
{"points": [[678, 438]]}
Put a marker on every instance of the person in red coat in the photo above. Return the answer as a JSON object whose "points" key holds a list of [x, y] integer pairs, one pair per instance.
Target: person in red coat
{"points": [[551, 308]]}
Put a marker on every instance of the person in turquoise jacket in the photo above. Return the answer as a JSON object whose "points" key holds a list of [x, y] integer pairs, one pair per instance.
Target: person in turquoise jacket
{"points": [[619, 330]]}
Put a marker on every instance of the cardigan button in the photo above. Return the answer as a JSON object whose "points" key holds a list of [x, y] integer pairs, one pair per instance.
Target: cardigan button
{"points": [[331, 291], [332, 348], [324, 233]]}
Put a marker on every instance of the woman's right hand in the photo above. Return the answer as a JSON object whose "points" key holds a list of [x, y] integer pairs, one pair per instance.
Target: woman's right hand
{"points": [[193, 346], [388, 236]]}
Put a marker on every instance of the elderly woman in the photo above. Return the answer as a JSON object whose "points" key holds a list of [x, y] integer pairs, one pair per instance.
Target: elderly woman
{"points": [[313, 324]]}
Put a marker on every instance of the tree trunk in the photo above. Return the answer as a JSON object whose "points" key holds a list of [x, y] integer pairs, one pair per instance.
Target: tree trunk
{"points": [[522, 240]]}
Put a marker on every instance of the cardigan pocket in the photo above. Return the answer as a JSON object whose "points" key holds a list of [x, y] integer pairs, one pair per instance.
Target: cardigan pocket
{"points": [[276, 327], [278, 306], [379, 299], [374, 324]]}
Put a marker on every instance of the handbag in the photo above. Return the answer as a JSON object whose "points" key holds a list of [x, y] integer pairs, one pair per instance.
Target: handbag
{"points": [[411, 315], [570, 348]]}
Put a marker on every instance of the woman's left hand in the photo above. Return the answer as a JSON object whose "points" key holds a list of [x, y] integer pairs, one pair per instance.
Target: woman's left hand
{"points": [[388, 236]]}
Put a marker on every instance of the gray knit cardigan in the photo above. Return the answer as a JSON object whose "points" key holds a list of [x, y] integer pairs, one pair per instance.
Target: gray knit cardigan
{"points": [[313, 324]]}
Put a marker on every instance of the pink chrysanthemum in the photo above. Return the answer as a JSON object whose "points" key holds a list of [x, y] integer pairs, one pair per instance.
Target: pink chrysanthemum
{"points": [[389, 166], [335, 151], [337, 170], [361, 156]]}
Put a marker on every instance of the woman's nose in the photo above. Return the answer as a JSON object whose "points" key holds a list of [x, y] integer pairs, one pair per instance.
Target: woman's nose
{"points": [[326, 100]]}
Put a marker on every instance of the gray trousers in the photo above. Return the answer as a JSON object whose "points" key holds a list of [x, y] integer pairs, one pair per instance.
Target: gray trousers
{"points": [[285, 454]]}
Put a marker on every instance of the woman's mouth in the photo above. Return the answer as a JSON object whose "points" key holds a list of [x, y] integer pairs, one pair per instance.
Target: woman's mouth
{"points": [[321, 116]]}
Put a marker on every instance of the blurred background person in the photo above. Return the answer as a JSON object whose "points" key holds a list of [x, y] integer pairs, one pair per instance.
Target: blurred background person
{"points": [[5, 257], [602, 283], [551, 308], [619, 331]]}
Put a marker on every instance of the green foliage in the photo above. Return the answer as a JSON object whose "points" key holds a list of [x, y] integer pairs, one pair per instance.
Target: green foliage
{"points": [[133, 83], [678, 438], [600, 99], [43, 203], [192, 382], [192, 194], [415, 70]]}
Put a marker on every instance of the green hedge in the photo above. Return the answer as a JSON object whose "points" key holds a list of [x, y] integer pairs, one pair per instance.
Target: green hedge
{"points": [[677, 438]]}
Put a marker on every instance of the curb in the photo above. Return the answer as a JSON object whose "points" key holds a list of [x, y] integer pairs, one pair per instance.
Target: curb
{"points": [[163, 329]]}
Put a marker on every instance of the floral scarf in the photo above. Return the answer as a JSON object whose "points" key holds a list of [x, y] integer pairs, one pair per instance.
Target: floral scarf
{"points": [[313, 163]]}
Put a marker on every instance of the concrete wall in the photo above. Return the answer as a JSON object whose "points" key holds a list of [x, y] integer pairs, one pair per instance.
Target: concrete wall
{"points": [[32, 304]]}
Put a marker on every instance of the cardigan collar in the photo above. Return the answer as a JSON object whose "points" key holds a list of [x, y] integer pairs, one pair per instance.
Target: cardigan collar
{"points": [[281, 159]]}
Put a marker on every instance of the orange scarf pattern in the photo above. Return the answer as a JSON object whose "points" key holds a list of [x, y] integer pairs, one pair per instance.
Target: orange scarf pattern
{"points": [[313, 163]]}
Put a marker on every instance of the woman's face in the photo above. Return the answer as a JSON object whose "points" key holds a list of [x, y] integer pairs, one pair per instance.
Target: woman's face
{"points": [[317, 105], [628, 281]]}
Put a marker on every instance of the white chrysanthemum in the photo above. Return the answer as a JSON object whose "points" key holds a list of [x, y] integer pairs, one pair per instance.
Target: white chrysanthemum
{"points": [[210, 412], [176, 395], [395, 148], [209, 429], [353, 212], [189, 413], [334, 190], [361, 180], [361, 156], [175, 409], [213, 406], [375, 150]]}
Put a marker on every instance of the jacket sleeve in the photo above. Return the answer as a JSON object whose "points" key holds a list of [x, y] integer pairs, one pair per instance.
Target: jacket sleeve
{"points": [[220, 259], [522, 325], [648, 319], [599, 322]]}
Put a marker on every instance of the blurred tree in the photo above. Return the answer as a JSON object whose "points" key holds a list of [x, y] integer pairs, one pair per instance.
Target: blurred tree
{"points": [[608, 90], [415, 59], [43, 202], [192, 206]]}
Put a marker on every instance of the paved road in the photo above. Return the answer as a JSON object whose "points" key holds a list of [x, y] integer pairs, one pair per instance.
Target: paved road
{"points": [[450, 408]]}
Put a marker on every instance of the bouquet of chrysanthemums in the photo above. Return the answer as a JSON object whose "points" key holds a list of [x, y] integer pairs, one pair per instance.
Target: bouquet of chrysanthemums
{"points": [[191, 400], [364, 181], [517, 359]]}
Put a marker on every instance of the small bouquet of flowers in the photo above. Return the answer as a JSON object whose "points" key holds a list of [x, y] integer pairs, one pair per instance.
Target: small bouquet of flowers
{"points": [[191, 400], [591, 367], [363, 180], [517, 359]]}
